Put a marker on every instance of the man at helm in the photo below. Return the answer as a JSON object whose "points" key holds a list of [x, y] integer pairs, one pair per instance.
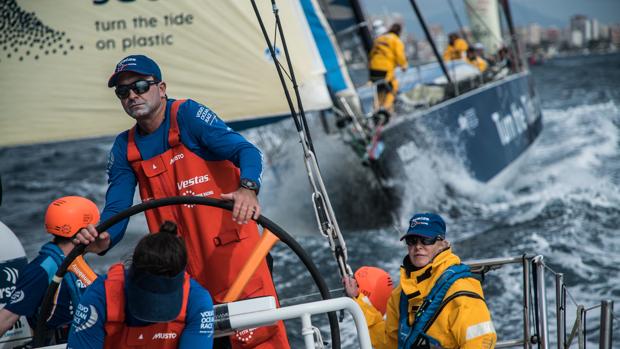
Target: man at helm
{"points": [[64, 217], [438, 303]]}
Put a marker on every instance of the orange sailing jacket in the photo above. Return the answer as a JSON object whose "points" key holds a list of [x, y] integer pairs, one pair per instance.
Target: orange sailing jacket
{"points": [[118, 335]]}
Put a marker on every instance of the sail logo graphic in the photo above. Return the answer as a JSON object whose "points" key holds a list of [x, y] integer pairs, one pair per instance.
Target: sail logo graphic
{"points": [[85, 317], [268, 56], [11, 274]]}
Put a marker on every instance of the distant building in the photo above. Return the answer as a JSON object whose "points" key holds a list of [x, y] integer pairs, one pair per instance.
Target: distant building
{"points": [[534, 34], [576, 39], [614, 32], [552, 35], [581, 24], [440, 37]]}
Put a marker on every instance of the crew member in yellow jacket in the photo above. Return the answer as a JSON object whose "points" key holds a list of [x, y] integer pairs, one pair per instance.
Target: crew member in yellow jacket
{"points": [[387, 53], [474, 59], [457, 317], [457, 48]]}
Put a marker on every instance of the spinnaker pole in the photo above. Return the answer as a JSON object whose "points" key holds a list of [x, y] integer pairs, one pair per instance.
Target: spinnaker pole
{"points": [[324, 212]]}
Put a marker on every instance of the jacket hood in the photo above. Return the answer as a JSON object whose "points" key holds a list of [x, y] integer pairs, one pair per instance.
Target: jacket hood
{"points": [[417, 283]]}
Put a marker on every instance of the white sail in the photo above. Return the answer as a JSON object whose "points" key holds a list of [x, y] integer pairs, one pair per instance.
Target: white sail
{"points": [[484, 20], [58, 56]]}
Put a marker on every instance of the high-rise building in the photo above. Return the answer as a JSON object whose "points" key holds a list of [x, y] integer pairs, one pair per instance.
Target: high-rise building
{"points": [[580, 24]]}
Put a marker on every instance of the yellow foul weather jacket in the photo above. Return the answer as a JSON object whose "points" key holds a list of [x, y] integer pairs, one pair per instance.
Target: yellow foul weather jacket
{"points": [[388, 52], [464, 322], [456, 50]]}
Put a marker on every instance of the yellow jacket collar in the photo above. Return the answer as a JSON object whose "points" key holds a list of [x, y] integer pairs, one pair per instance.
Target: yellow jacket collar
{"points": [[418, 283]]}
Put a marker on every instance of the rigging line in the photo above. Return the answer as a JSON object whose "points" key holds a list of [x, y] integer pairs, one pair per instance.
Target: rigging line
{"points": [[275, 46], [592, 308], [549, 268], [324, 212], [458, 20], [571, 296], [300, 106]]}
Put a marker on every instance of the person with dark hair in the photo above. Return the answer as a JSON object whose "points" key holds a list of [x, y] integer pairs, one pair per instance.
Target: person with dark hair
{"points": [[438, 303], [456, 49], [182, 148], [387, 53], [63, 218], [474, 59], [151, 304]]}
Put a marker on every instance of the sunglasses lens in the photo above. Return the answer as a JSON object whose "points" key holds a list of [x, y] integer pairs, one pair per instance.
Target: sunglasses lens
{"points": [[141, 86], [412, 241], [122, 92]]}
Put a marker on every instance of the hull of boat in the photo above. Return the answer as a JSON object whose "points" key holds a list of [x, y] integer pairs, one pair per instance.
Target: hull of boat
{"points": [[486, 129]]}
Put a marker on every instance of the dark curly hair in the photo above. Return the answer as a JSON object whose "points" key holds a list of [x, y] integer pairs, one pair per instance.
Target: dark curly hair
{"points": [[162, 253]]}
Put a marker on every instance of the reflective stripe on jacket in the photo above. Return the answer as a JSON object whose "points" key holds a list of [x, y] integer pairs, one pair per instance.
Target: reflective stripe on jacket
{"points": [[464, 322], [118, 335]]}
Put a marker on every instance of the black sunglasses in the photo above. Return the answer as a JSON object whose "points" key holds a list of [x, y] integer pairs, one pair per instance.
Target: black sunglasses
{"points": [[413, 240], [139, 87]]}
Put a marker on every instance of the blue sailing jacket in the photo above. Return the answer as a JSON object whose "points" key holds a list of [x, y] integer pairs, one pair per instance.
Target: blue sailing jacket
{"points": [[33, 282]]}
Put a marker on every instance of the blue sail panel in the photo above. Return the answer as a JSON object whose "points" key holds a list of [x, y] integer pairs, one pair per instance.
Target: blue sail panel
{"points": [[333, 76]]}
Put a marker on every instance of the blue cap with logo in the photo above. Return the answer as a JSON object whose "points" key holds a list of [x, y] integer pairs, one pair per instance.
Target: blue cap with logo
{"points": [[429, 225], [139, 64]]}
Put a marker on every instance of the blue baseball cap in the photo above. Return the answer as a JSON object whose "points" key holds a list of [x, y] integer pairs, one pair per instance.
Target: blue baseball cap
{"points": [[429, 225], [139, 64], [154, 298]]}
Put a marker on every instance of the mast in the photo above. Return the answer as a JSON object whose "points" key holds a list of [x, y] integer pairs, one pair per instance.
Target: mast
{"points": [[513, 34], [430, 40], [363, 30]]}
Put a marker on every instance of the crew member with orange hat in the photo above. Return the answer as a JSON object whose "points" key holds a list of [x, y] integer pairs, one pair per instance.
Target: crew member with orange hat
{"points": [[371, 288], [64, 217]]}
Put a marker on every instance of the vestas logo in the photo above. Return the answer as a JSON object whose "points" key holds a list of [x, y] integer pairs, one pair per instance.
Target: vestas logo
{"points": [[192, 181], [168, 335], [11, 274]]}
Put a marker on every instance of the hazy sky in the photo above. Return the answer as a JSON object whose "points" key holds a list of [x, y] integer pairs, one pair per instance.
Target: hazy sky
{"points": [[556, 12]]}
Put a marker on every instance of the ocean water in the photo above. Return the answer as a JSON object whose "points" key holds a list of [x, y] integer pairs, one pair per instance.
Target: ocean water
{"points": [[560, 200]]}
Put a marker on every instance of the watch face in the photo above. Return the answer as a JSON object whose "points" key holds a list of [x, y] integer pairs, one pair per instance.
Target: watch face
{"points": [[246, 183]]}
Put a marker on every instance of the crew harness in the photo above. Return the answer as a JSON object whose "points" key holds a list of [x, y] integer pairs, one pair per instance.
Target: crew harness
{"points": [[414, 336]]}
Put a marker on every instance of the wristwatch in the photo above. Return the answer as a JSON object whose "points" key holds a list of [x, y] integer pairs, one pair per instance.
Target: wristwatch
{"points": [[250, 184]]}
